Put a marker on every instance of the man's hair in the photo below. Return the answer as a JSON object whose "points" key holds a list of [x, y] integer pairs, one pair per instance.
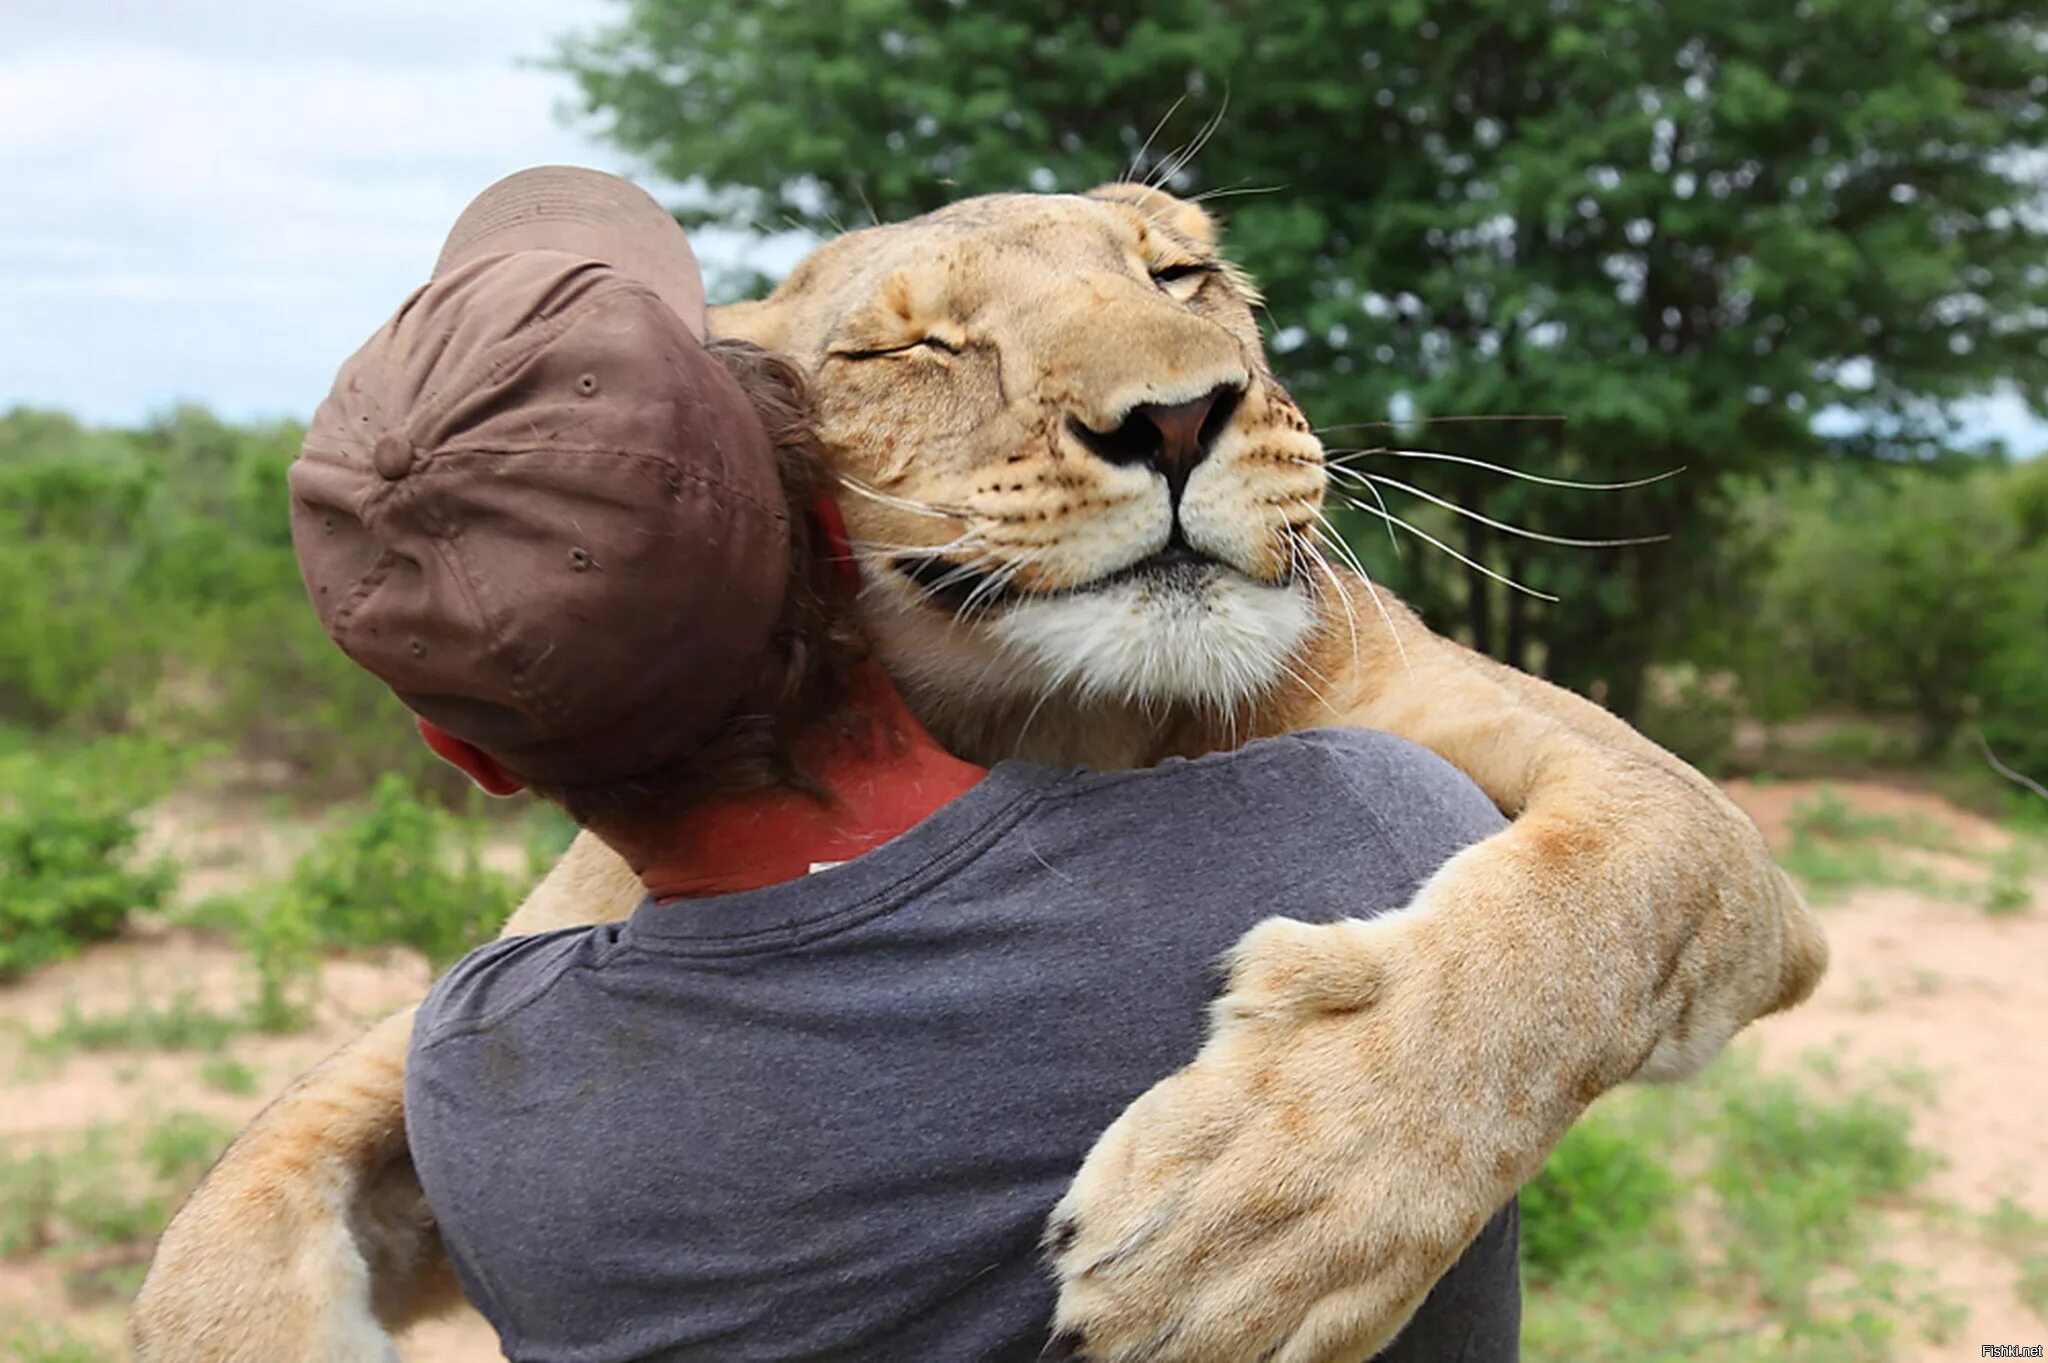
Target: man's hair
{"points": [[809, 666]]}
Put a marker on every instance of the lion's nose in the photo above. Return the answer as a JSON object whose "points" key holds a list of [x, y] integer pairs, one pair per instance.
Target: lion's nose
{"points": [[1171, 437]]}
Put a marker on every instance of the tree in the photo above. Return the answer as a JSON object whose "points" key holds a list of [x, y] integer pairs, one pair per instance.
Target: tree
{"points": [[1900, 592], [1687, 225]]}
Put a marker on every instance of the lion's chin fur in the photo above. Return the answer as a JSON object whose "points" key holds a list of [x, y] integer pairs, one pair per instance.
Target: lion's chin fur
{"points": [[1087, 676], [1136, 644]]}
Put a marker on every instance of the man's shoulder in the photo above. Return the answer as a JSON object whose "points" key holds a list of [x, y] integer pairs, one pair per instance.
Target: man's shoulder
{"points": [[1381, 767], [1349, 765], [493, 983]]}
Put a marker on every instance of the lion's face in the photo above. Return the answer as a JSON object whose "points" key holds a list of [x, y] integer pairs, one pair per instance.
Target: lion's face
{"points": [[1075, 478]]}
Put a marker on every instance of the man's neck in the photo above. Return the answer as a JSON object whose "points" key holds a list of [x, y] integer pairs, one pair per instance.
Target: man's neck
{"points": [[881, 773]]}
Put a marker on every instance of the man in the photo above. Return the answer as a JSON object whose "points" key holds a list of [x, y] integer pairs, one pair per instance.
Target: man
{"points": [[817, 1097]]}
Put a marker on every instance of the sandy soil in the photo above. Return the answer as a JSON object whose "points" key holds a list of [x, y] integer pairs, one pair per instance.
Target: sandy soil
{"points": [[1943, 989], [1915, 982]]}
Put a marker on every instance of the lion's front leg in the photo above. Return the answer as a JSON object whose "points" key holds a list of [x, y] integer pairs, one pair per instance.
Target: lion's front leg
{"points": [[1373, 1091], [309, 1239]]}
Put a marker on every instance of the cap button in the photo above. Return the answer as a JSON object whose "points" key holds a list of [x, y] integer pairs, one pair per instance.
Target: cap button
{"points": [[392, 456]]}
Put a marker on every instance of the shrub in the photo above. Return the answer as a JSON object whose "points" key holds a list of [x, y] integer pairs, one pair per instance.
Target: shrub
{"points": [[2015, 675], [1693, 714], [1792, 1169], [283, 950], [67, 874], [1903, 590], [147, 580], [180, 1025], [404, 872], [1600, 1190]]}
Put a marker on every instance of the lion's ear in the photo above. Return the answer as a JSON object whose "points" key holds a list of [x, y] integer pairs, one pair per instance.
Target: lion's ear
{"points": [[1161, 207], [759, 321]]}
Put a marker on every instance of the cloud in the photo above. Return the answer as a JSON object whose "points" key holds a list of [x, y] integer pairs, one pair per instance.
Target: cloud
{"points": [[220, 201]]}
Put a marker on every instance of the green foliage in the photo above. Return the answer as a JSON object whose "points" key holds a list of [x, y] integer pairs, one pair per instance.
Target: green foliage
{"points": [[1902, 593], [1601, 1191], [183, 1146], [2012, 682], [1742, 1225], [28, 1201], [148, 582], [400, 872], [144, 1025], [2023, 1235], [68, 873], [2008, 894], [284, 955], [40, 1342], [1825, 814], [1693, 714], [228, 1076], [100, 1198], [1835, 848], [1793, 1173], [1687, 225]]}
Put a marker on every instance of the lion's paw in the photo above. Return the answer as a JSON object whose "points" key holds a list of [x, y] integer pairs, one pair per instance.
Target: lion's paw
{"points": [[1283, 1197]]}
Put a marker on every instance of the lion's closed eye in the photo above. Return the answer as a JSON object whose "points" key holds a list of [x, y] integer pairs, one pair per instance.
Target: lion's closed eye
{"points": [[932, 343], [1182, 279]]}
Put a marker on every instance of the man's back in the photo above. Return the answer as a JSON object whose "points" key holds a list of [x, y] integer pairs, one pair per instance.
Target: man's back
{"points": [[832, 1115]]}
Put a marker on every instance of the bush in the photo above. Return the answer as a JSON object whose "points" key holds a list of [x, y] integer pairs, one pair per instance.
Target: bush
{"points": [[401, 872], [1904, 590], [1599, 1191], [2015, 675], [148, 582], [1693, 714], [67, 874]]}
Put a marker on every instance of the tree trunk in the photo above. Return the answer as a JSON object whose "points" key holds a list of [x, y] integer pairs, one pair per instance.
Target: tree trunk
{"points": [[1479, 598], [1515, 647]]}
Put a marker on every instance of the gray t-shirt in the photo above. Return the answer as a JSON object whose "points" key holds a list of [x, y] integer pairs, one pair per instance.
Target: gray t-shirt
{"points": [[828, 1119]]}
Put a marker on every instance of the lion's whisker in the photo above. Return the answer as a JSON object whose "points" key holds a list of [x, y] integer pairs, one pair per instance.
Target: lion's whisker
{"points": [[1177, 162], [1441, 421], [1327, 531], [990, 590], [1234, 191], [1365, 482], [906, 503], [1399, 486], [1138, 156], [964, 539], [1350, 615], [1433, 540], [1336, 458]]}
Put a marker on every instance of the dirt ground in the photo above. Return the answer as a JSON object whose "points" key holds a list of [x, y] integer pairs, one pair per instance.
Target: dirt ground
{"points": [[1947, 990], [1937, 986]]}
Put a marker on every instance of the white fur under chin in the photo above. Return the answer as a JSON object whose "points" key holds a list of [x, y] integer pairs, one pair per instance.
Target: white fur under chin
{"points": [[1143, 643]]}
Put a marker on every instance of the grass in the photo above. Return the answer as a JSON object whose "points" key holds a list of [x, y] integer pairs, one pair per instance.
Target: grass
{"points": [[144, 1025], [2007, 893], [1835, 848], [2014, 1230], [1734, 1219], [228, 1076], [96, 1202], [38, 1342]]}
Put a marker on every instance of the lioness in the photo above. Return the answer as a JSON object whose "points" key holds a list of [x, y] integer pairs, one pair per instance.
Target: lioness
{"points": [[991, 380]]}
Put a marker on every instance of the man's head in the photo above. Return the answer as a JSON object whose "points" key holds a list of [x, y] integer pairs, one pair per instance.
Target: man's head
{"points": [[538, 508]]}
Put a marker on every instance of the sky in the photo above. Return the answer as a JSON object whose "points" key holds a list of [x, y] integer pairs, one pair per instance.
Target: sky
{"points": [[219, 200]]}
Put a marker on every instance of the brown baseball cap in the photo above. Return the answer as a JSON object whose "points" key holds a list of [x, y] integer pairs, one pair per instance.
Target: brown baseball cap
{"points": [[534, 506]]}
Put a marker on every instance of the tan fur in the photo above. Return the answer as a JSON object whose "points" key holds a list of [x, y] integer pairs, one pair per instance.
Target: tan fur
{"points": [[1371, 1091]]}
